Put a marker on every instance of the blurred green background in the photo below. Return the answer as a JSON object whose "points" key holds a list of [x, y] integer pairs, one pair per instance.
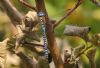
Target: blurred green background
{"points": [[87, 14]]}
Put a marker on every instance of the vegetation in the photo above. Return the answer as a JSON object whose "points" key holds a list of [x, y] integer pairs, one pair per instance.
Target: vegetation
{"points": [[46, 19]]}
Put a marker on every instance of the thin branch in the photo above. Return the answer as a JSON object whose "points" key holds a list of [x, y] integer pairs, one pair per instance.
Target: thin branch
{"points": [[38, 45], [54, 50], [27, 4], [32, 47], [14, 15], [69, 13], [84, 51], [11, 11]]}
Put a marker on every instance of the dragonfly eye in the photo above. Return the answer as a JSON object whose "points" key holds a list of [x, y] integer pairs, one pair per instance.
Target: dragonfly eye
{"points": [[40, 14]]}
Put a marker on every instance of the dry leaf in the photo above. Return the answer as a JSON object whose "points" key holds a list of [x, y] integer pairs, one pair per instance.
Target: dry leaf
{"points": [[81, 32], [68, 63], [3, 52]]}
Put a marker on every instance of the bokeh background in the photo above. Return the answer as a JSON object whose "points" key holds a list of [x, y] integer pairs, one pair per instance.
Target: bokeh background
{"points": [[87, 14]]}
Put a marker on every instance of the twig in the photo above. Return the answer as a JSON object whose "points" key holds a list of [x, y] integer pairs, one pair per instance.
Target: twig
{"points": [[50, 35], [14, 15], [39, 45], [83, 51], [31, 46], [69, 13], [27, 4], [11, 11]]}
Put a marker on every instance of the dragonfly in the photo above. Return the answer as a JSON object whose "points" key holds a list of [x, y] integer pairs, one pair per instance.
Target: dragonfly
{"points": [[42, 21]]}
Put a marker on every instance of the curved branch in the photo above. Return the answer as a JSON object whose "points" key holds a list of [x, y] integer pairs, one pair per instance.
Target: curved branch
{"points": [[28, 5], [11, 11], [69, 13]]}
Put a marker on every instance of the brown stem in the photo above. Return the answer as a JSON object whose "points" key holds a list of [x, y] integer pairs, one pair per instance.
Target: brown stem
{"points": [[50, 36], [13, 29], [69, 13], [27, 4], [11, 11], [14, 15]]}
